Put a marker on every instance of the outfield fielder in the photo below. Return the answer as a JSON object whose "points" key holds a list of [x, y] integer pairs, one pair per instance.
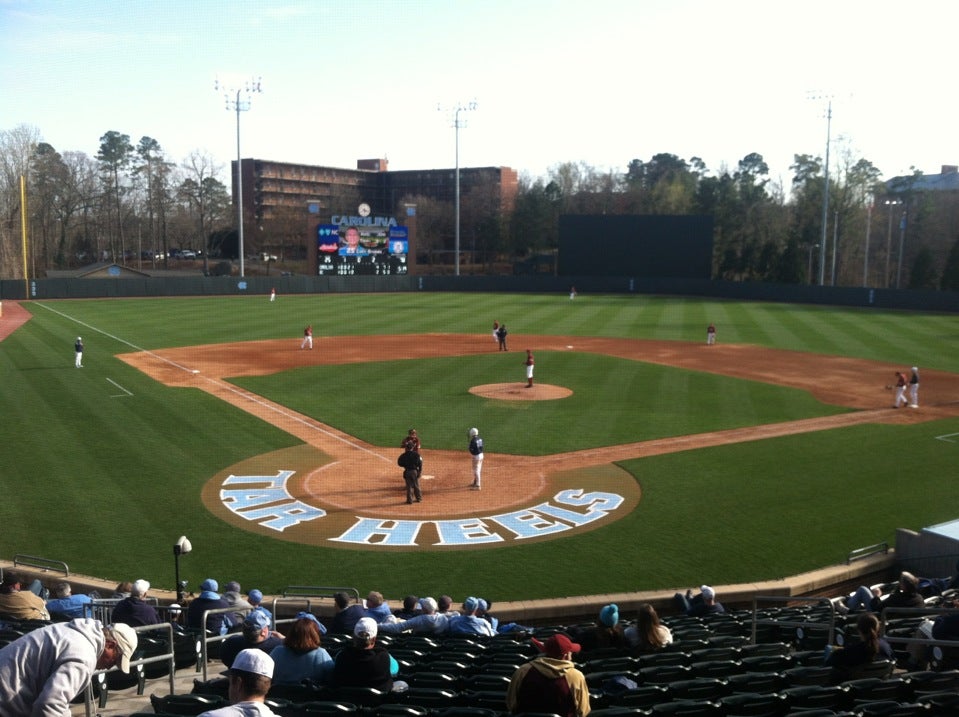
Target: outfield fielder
{"points": [[78, 348], [476, 450]]}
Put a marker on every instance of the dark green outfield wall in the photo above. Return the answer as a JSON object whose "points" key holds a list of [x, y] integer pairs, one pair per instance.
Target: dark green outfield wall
{"points": [[210, 286]]}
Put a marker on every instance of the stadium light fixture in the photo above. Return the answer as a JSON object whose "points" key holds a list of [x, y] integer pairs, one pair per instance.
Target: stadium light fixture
{"points": [[457, 124], [180, 547], [889, 203], [825, 194], [239, 98]]}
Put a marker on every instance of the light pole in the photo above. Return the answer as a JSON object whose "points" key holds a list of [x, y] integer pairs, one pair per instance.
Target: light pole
{"points": [[902, 239], [889, 203], [825, 195], [457, 123], [181, 547], [865, 262], [239, 97]]}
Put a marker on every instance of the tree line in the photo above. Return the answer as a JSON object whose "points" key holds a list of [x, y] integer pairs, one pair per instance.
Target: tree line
{"points": [[132, 204]]}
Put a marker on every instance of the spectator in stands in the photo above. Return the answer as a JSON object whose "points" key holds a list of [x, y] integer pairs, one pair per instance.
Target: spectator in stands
{"points": [[209, 599], [427, 622], [703, 604], [135, 610], [123, 590], [649, 633], [870, 648], [250, 679], [906, 594], [234, 598], [444, 606], [300, 657], [377, 608], [255, 633], [255, 598], [943, 627], [411, 605], [363, 663], [46, 668], [347, 614], [608, 633], [21, 604], [467, 623], [551, 683], [64, 603]]}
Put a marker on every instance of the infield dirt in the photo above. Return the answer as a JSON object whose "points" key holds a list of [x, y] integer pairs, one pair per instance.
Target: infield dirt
{"points": [[362, 468]]}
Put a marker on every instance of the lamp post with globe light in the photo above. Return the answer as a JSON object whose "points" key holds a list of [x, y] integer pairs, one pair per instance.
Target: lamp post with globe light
{"points": [[180, 547]]}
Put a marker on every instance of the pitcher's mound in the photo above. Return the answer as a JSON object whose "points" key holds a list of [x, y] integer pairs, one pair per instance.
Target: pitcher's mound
{"points": [[519, 391]]}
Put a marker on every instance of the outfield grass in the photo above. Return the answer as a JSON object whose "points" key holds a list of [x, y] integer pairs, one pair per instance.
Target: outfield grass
{"points": [[107, 481]]}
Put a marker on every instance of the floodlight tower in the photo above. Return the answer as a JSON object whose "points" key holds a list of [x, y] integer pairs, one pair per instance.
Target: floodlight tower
{"points": [[825, 193], [239, 98], [457, 123]]}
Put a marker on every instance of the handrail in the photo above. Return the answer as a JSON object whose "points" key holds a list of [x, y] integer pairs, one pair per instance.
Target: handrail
{"points": [[865, 552], [205, 639], [789, 623], [167, 657], [33, 561], [318, 591]]}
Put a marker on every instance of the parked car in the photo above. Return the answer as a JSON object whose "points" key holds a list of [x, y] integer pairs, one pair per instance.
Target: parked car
{"points": [[265, 256], [188, 254]]}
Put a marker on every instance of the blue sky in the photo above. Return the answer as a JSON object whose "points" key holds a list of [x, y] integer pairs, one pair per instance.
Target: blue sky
{"points": [[600, 82]]}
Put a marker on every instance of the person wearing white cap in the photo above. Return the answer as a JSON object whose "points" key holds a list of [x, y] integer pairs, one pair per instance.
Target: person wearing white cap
{"points": [[46, 668], [914, 388], [428, 622], [78, 349], [364, 663], [135, 610], [250, 679], [703, 604]]}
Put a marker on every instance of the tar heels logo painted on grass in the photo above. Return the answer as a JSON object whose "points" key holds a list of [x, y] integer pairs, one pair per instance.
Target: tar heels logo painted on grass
{"points": [[269, 502]]}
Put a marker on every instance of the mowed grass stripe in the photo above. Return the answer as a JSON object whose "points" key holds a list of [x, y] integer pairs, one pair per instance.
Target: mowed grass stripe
{"points": [[142, 480]]}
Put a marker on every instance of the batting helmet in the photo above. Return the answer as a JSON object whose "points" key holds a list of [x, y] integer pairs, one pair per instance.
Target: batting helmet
{"points": [[474, 432]]}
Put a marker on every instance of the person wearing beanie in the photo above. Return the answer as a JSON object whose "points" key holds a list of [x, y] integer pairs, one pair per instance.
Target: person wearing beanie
{"points": [[607, 633], [233, 594], [550, 684], [135, 610], [209, 599]]}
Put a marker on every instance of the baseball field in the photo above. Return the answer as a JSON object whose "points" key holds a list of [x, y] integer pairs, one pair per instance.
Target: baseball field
{"points": [[640, 459]]}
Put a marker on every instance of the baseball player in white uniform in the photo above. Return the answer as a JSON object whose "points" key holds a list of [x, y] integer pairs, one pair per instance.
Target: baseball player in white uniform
{"points": [[914, 388], [78, 349], [476, 450]]}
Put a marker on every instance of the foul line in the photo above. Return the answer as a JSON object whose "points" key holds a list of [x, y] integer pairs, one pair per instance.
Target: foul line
{"points": [[947, 437], [222, 384], [111, 336], [119, 395]]}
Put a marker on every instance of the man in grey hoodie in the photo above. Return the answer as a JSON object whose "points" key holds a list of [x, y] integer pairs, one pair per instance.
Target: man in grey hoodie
{"points": [[46, 668]]}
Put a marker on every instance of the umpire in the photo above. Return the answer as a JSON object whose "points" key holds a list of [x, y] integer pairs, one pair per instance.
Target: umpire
{"points": [[412, 464]]}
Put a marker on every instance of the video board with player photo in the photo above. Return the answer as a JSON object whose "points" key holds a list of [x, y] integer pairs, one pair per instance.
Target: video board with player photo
{"points": [[346, 250]]}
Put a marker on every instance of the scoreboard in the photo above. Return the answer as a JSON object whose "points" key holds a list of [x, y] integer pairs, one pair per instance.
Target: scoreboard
{"points": [[361, 249]]}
